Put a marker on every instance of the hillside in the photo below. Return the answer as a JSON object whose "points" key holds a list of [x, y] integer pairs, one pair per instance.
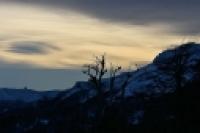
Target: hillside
{"points": [[25, 95], [151, 78], [161, 97]]}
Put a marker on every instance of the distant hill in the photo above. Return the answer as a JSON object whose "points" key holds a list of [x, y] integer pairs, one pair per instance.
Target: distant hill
{"points": [[24, 95]]}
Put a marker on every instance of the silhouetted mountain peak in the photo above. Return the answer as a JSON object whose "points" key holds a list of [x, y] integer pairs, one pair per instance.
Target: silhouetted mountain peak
{"points": [[144, 100], [149, 79], [191, 50]]}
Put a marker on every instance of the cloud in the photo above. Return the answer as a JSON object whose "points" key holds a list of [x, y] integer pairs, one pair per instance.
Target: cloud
{"points": [[75, 30], [182, 16], [6, 64], [71, 39], [31, 47]]}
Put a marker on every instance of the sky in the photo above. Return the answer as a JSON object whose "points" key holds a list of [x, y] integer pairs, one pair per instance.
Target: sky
{"points": [[44, 43]]}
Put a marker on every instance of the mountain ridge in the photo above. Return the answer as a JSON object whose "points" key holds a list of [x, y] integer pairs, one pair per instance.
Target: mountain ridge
{"points": [[162, 96], [25, 95], [148, 77]]}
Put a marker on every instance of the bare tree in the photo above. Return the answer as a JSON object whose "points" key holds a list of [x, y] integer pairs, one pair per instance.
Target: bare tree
{"points": [[124, 85], [176, 69], [96, 72], [113, 71]]}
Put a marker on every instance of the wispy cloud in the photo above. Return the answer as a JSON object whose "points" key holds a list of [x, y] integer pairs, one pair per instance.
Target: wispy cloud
{"points": [[65, 34], [182, 16], [31, 47], [48, 39]]}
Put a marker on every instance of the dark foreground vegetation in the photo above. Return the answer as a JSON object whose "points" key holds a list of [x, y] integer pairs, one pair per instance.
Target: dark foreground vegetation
{"points": [[109, 110]]}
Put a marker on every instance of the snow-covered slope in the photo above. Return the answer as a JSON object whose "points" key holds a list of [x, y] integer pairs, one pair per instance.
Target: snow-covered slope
{"points": [[24, 95], [149, 79], [152, 79]]}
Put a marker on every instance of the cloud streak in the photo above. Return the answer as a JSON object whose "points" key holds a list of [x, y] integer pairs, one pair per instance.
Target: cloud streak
{"points": [[65, 34], [182, 16], [31, 47], [47, 39]]}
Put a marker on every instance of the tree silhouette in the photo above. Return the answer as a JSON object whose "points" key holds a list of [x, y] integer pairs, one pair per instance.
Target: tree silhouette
{"points": [[113, 71], [176, 69], [96, 72]]}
